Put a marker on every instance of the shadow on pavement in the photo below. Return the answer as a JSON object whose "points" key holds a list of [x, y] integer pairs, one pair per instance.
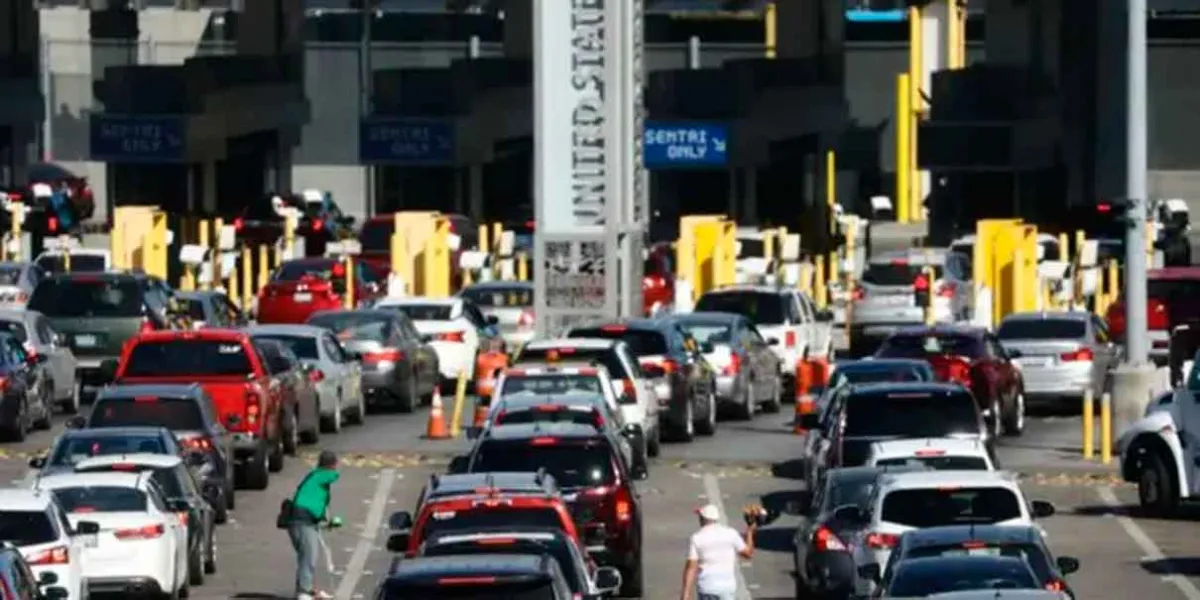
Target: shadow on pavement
{"points": [[1183, 513], [258, 596], [789, 469], [774, 539], [1187, 567]]}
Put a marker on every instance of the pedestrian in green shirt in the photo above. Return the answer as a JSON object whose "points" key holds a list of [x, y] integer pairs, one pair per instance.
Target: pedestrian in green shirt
{"points": [[310, 510]]}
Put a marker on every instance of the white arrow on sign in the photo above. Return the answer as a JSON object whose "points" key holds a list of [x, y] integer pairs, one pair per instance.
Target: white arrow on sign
{"points": [[719, 144]]}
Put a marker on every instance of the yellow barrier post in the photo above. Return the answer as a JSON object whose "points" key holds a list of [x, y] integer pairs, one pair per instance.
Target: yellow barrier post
{"points": [[231, 288], [903, 146], [16, 215], [401, 263], [1113, 285], [770, 29], [819, 282], [350, 279], [215, 251], [289, 235], [1089, 435], [247, 278], [1106, 442], [522, 266], [916, 57], [460, 397], [204, 243], [66, 259], [264, 266]]}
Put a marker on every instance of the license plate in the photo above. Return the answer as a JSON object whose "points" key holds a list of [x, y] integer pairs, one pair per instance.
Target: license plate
{"points": [[89, 540], [895, 300], [1035, 362], [85, 341], [302, 297]]}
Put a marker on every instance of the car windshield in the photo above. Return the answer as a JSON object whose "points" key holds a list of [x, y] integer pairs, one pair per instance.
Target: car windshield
{"points": [[303, 347], [950, 505], [605, 356], [550, 384], [476, 519], [555, 547], [708, 333], [470, 588], [195, 309], [883, 374], [376, 235], [332, 271], [10, 275], [26, 527], [1032, 554], [91, 499], [80, 263], [642, 342], [423, 312], [573, 465], [74, 449], [1174, 292], [846, 490], [167, 479], [937, 463], [176, 414], [87, 297], [921, 578], [922, 346], [896, 273], [181, 358], [911, 415], [1042, 329], [351, 326], [499, 297], [15, 329], [761, 308]]}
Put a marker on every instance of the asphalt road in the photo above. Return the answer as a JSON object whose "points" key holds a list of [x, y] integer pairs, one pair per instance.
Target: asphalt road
{"points": [[385, 464]]}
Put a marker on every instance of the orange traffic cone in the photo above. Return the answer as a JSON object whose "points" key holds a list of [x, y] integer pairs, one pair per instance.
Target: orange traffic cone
{"points": [[804, 379], [820, 372], [437, 419]]}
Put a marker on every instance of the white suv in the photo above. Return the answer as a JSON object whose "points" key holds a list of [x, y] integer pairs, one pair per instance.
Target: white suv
{"points": [[941, 454], [37, 526]]}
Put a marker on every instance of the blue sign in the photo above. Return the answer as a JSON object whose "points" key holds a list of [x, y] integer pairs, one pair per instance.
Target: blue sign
{"points": [[406, 141], [685, 144], [138, 138], [876, 16]]}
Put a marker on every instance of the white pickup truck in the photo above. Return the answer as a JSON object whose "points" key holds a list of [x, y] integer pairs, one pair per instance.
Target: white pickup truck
{"points": [[1161, 451]]}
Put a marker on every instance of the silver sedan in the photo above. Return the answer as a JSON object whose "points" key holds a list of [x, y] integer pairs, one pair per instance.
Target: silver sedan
{"points": [[1060, 354], [33, 329], [338, 377]]}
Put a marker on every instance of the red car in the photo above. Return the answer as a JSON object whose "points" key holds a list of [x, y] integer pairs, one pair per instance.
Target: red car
{"points": [[658, 279], [376, 239], [246, 398], [1171, 301], [973, 358], [299, 288]]}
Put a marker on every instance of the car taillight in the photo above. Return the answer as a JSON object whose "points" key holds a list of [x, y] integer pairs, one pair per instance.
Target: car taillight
{"points": [[52, 224], [921, 284], [946, 290], [196, 443], [735, 365], [148, 532], [623, 505], [318, 224], [58, 555], [630, 388], [252, 408], [381, 356], [525, 321], [598, 419], [147, 325], [317, 375], [1056, 586], [238, 224], [451, 336], [1158, 317], [789, 339], [1081, 354], [882, 541], [826, 541]]}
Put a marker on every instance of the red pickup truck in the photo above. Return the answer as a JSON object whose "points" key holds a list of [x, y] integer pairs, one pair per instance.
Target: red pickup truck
{"points": [[247, 399]]}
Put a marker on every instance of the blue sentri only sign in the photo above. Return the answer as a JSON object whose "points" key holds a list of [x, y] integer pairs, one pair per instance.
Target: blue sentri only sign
{"points": [[138, 138], [403, 141], [671, 144]]}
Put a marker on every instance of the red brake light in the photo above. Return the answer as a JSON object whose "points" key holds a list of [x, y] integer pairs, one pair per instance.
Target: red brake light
{"points": [[789, 339], [196, 443], [52, 224], [1104, 208], [543, 441], [1079, 355], [466, 580], [548, 408], [826, 541], [239, 223], [318, 224], [921, 283], [379, 356], [614, 329], [58, 555], [882, 541], [859, 293], [316, 375], [451, 336], [182, 516], [338, 270], [974, 545], [598, 418], [1056, 586], [252, 408], [630, 388], [124, 467], [1158, 317], [146, 399], [930, 452], [141, 533], [496, 541], [623, 505], [735, 365]]}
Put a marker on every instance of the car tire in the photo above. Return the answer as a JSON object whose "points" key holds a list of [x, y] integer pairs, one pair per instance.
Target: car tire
{"points": [[708, 425], [70, 406], [313, 435], [407, 400], [210, 559], [255, 473], [1156, 487], [654, 443], [43, 422], [333, 423], [275, 457], [290, 441], [1014, 422], [196, 568], [775, 403], [20, 428], [230, 497], [358, 414], [687, 426], [745, 409], [996, 422], [632, 584]]}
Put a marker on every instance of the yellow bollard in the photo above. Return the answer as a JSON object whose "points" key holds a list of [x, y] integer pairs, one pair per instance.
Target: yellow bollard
{"points": [[215, 250], [903, 149], [264, 266], [231, 287], [819, 282], [247, 278], [484, 246], [349, 296], [1106, 441], [522, 267], [770, 30], [460, 397], [15, 217], [1114, 285], [1089, 436], [187, 282], [204, 242], [289, 235], [67, 261]]}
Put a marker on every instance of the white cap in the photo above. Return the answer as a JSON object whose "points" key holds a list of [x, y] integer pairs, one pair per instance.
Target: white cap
{"points": [[708, 512]]}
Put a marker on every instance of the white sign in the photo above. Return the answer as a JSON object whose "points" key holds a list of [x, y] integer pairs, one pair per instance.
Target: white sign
{"points": [[227, 238], [344, 248]]}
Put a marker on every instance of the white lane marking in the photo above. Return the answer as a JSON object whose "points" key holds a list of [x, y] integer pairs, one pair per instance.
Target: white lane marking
{"points": [[1147, 546], [712, 492], [358, 560]]}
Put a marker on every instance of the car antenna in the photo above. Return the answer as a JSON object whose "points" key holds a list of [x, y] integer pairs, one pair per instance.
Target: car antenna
{"points": [[539, 476]]}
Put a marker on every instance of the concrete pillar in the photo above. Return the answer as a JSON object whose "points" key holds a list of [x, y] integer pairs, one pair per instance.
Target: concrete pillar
{"points": [[518, 28], [270, 27], [812, 29], [114, 41], [1009, 35], [21, 49], [1111, 136], [208, 187], [750, 195]]}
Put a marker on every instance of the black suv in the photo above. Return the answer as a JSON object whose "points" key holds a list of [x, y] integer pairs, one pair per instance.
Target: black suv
{"points": [[478, 577], [186, 410], [684, 383], [596, 479]]}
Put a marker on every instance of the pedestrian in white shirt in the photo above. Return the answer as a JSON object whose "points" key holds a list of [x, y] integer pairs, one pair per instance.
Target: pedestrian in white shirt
{"points": [[713, 554]]}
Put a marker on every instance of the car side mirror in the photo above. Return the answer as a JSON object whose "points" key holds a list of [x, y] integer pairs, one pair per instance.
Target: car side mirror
{"points": [[108, 370], [458, 465], [76, 422], [1042, 509], [772, 341], [870, 572], [608, 579], [810, 421], [48, 578], [492, 320], [1067, 564], [849, 513], [37, 462], [56, 593], [87, 528], [706, 348], [400, 521], [473, 432], [398, 542]]}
